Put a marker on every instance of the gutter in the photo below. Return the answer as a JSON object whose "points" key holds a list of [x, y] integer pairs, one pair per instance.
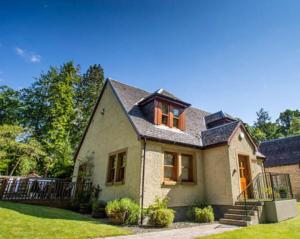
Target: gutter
{"points": [[143, 181]]}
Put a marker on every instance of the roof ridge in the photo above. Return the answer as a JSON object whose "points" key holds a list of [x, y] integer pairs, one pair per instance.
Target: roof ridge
{"points": [[281, 138], [119, 82]]}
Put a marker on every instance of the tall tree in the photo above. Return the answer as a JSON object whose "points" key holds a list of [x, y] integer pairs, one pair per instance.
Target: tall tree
{"points": [[9, 105], [263, 128], [87, 92]]}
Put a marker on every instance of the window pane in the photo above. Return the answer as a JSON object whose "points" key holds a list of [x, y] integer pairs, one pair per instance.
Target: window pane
{"points": [[165, 108], [169, 159], [185, 161], [175, 123], [169, 172], [164, 119], [121, 167], [185, 174], [176, 112]]}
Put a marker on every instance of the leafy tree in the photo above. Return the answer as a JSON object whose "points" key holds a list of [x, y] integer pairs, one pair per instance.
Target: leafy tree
{"points": [[19, 154], [87, 92], [9, 105], [294, 128], [263, 128], [285, 120]]}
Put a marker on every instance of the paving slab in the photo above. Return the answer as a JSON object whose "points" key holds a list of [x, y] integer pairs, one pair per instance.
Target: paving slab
{"points": [[181, 233]]}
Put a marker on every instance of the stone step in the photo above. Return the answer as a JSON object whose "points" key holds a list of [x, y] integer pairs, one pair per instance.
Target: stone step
{"points": [[234, 222], [241, 212], [242, 207], [257, 203], [237, 217]]}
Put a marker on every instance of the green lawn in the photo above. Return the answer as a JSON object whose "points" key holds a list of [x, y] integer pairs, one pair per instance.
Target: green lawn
{"points": [[21, 221], [289, 229]]}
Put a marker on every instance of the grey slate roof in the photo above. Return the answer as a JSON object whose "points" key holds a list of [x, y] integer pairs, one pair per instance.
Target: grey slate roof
{"points": [[196, 133], [283, 151]]}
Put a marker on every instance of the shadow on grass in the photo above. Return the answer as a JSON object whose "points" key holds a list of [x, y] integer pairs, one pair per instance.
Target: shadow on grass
{"points": [[48, 212]]}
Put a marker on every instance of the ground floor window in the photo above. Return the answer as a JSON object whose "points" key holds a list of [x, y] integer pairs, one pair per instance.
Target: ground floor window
{"points": [[178, 167], [116, 168]]}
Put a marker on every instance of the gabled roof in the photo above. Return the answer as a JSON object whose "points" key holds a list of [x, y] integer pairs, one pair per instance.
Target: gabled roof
{"points": [[196, 133], [217, 116], [283, 151]]}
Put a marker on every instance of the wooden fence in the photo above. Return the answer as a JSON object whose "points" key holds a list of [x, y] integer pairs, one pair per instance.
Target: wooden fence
{"points": [[43, 189]]}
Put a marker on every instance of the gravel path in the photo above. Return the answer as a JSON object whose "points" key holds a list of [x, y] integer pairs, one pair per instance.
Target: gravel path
{"points": [[181, 233]]}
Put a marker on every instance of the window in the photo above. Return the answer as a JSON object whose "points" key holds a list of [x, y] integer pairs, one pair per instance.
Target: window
{"points": [[169, 114], [165, 114], [176, 118], [116, 168], [186, 168], [178, 168], [170, 166], [121, 167], [111, 169]]}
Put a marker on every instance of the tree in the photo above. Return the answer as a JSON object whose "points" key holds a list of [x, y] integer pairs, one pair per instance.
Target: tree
{"points": [[9, 105], [294, 128], [263, 128], [285, 120], [87, 92], [19, 154]]}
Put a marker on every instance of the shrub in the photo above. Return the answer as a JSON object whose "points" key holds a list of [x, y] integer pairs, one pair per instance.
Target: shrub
{"points": [[123, 211], [158, 213], [204, 214]]}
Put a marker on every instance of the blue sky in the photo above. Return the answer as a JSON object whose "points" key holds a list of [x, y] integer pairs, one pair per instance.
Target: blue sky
{"points": [[236, 56]]}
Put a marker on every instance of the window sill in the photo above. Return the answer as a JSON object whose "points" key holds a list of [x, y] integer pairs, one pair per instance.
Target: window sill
{"points": [[115, 183], [119, 183], [170, 183], [173, 183]]}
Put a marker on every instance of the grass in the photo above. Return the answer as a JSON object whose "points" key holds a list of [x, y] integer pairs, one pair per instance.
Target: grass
{"points": [[289, 229], [21, 221]]}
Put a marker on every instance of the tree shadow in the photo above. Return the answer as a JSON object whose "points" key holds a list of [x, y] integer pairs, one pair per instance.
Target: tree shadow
{"points": [[48, 212]]}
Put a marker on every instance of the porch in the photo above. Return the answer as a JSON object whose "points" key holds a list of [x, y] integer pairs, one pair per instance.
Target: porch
{"points": [[267, 198]]}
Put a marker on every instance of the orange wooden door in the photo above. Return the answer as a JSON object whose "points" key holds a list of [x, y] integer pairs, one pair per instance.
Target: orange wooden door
{"points": [[244, 173]]}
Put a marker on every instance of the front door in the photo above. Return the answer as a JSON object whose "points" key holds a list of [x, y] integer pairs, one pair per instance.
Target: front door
{"points": [[244, 173]]}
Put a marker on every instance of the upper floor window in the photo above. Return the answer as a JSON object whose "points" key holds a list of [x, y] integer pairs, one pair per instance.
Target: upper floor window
{"points": [[175, 118], [165, 114], [169, 115], [116, 168]]}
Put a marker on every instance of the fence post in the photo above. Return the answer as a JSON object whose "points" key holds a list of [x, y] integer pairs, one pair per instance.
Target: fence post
{"points": [[272, 186], [290, 185]]}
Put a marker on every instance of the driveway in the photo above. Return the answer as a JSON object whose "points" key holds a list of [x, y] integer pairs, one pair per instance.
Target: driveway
{"points": [[182, 233]]}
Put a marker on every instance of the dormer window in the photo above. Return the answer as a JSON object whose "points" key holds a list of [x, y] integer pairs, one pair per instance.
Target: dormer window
{"points": [[163, 108], [175, 117], [165, 114]]}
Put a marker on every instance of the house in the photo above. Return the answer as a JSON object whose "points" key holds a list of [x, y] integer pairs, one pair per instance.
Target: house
{"points": [[145, 145], [283, 156]]}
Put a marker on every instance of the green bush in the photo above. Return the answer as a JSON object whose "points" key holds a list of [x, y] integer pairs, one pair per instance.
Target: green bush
{"points": [[159, 214], [123, 211], [204, 214]]}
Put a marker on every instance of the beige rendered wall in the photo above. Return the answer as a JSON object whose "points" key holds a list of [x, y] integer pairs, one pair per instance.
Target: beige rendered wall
{"points": [[217, 176], [108, 133], [179, 194], [294, 172], [242, 147]]}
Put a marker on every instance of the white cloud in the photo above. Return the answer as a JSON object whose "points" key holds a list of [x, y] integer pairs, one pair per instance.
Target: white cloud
{"points": [[28, 56]]}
